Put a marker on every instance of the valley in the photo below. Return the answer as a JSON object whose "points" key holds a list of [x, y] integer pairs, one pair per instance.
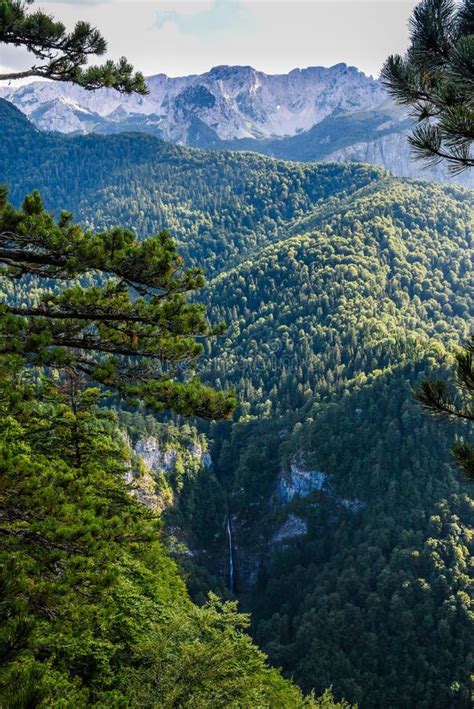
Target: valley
{"points": [[329, 505]]}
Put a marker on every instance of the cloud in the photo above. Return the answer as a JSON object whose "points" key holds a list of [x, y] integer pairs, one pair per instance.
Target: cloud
{"points": [[180, 37], [221, 16]]}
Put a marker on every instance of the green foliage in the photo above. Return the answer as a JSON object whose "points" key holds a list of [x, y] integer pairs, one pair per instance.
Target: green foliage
{"points": [[435, 79], [93, 611], [439, 400], [220, 207], [353, 289], [63, 56], [375, 597], [331, 329], [344, 288], [138, 318]]}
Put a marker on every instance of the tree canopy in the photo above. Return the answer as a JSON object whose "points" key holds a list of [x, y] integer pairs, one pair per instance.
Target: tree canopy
{"points": [[345, 287], [132, 330], [93, 610]]}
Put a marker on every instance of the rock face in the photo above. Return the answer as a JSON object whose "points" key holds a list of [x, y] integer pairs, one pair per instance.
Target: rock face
{"points": [[232, 101], [292, 527], [163, 458], [326, 114], [299, 481], [159, 476], [390, 151], [154, 456], [145, 489]]}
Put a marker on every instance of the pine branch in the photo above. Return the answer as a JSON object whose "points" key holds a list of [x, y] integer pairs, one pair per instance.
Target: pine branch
{"points": [[436, 80], [135, 332], [64, 55], [464, 455], [434, 396]]}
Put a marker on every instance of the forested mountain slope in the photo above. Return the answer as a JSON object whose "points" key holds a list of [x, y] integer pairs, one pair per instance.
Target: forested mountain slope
{"points": [[351, 532], [342, 287], [94, 611], [220, 206], [333, 114], [390, 262]]}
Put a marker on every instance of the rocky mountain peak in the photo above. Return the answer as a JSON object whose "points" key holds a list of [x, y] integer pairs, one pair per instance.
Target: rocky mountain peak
{"points": [[234, 101], [335, 114]]}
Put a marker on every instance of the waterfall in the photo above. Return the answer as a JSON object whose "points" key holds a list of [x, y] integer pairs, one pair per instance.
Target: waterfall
{"points": [[231, 554]]}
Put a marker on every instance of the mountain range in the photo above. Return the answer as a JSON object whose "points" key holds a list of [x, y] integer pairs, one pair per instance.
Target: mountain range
{"points": [[315, 114]]}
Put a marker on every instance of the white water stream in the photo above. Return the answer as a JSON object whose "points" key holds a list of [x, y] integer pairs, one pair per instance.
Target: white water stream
{"points": [[231, 555]]}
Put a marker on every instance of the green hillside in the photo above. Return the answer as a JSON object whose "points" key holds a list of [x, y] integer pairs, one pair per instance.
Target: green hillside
{"points": [[219, 206], [389, 263], [330, 330], [94, 612], [342, 288]]}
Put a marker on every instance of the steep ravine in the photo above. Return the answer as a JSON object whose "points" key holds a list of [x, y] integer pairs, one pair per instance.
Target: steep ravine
{"points": [[246, 546]]}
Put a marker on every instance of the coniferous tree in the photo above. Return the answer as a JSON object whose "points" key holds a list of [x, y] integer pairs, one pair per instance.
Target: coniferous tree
{"points": [[435, 79], [93, 611], [61, 55], [440, 401], [133, 331], [139, 321]]}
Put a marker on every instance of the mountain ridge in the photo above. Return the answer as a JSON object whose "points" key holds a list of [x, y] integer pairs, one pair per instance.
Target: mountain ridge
{"points": [[330, 114], [247, 103]]}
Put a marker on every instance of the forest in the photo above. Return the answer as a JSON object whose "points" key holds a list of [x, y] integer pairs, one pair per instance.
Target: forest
{"points": [[342, 287], [219, 206], [94, 610]]}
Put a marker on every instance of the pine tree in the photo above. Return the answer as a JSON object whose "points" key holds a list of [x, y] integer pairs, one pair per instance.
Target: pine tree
{"points": [[93, 611], [133, 330], [435, 79], [436, 397], [61, 55]]}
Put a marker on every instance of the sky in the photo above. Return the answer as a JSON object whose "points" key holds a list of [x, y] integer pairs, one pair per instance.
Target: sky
{"points": [[181, 37]]}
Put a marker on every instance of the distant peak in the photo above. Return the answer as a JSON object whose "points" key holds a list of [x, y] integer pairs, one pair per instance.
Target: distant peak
{"points": [[348, 69], [229, 70]]}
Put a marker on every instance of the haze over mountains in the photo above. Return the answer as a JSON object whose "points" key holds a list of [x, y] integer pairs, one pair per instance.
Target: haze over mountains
{"points": [[316, 114]]}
